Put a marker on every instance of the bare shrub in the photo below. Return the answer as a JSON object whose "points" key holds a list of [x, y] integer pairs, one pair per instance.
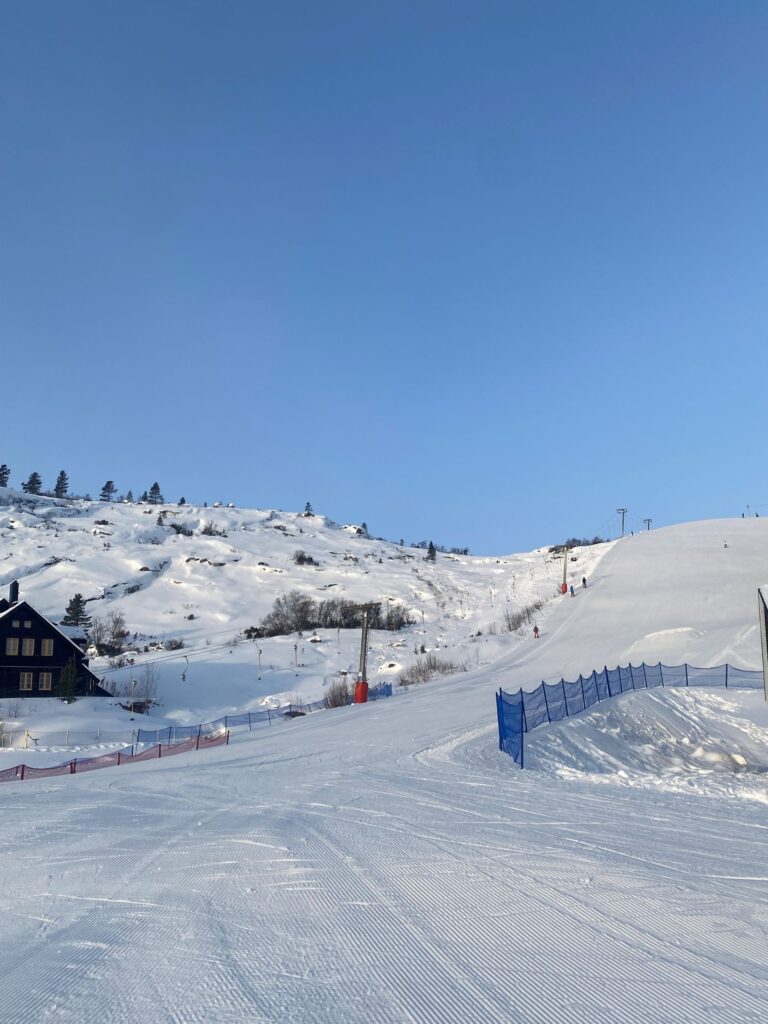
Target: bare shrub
{"points": [[302, 558], [338, 694], [515, 620], [147, 688], [430, 666]]}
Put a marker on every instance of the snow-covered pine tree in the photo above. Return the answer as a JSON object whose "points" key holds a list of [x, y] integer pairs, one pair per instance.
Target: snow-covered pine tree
{"points": [[155, 497], [4, 475], [107, 491]]}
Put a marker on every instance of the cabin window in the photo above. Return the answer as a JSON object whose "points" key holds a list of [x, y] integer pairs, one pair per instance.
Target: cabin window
{"points": [[46, 648], [27, 623], [16, 623], [45, 680], [28, 647], [12, 645], [25, 680]]}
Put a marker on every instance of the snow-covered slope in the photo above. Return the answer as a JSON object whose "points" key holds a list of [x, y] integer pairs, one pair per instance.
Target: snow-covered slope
{"points": [[204, 589], [386, 863]]}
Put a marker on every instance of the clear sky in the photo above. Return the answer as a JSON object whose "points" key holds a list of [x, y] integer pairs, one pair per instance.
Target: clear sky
{"points": [[480, 272]]}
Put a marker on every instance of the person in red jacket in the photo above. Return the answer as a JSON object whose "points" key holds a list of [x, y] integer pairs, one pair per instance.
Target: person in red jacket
{"points": [[535, 632]]}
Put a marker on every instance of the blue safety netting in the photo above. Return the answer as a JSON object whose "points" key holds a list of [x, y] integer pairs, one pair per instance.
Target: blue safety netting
{"points": [[176, 733], [520, 712]]}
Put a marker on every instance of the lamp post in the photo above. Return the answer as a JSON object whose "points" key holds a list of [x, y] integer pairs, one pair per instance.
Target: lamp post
{"points": [[259, 650]]}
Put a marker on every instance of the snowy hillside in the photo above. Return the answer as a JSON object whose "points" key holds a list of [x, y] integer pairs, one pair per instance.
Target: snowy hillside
{"points": [[203, 589], [386, 863]]}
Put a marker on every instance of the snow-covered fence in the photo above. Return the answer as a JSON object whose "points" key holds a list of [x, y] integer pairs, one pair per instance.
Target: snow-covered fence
{"points": [[89, 764], [520, 712]]}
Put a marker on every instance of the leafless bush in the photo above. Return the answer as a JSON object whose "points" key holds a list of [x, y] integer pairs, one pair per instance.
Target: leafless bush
{"points": [[515, 620], [338, 694], [302, 558], [430, 666], [296, 611], [147, 688]]}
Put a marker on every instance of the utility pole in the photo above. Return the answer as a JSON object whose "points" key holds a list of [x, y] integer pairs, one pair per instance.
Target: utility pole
{"points": [[361, 687], [648, 523], [623, 512]]}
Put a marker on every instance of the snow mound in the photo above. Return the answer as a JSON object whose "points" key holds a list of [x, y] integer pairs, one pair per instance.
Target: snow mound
{"points": [[665, 738]]}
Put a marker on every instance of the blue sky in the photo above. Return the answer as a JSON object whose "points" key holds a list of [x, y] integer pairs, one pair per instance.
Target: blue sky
{"points": [[480, 272]]}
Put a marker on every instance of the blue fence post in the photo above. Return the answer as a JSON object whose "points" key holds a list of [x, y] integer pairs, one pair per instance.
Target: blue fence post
{"points": [[522, 745], [498, 717], [726, 675], [583, 700], [645, 677], [546, 702], [661, 673], [685, 666]]}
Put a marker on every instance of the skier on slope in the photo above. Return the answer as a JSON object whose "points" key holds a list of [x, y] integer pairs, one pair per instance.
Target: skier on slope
{"points": [[572, 591], [535, 632], [584, 582]]}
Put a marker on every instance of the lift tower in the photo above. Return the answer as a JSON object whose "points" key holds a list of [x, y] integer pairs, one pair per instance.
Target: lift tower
{"points": [[361, 686]]}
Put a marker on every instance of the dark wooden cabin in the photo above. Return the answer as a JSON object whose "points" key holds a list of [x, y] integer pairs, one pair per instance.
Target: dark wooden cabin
{"points": [[34, 653]]}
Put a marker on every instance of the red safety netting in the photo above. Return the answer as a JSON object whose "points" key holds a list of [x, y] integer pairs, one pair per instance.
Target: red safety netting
{"points": [[88, 764]]}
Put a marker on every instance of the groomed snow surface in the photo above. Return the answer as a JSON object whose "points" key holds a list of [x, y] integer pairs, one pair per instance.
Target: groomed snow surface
{"points": [[386, 863]]}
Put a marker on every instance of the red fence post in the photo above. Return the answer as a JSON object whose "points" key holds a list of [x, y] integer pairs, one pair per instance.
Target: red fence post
{"points": [[197, 742], [72, 767], [22, 771], [227, 739]]}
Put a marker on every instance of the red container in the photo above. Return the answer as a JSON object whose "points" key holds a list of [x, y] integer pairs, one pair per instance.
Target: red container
{"points": [[361, 693]]}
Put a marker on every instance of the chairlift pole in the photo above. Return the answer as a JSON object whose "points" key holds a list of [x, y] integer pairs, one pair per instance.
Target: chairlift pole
{"points": [[622, 512], [361, 686], [564, 586]]}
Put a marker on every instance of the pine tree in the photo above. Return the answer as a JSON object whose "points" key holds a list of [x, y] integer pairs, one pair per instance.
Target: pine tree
{"points": [[33, 485], [129, 496], [431, 552], [75, 614], [4, 474], [107, 491], [62, 485], [155, 497], [308, 510], [182, 501], [144, 497]]}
